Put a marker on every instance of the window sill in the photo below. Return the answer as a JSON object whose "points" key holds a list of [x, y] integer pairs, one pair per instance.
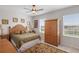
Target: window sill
{"points": [[71, 36]]}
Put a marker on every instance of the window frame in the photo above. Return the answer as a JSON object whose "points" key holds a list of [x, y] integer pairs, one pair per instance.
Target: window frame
{"points": [[74, 36], [40, 26]]}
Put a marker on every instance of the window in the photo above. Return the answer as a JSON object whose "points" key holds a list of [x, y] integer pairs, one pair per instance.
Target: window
{"points": [[71, 25], [41, 25]]}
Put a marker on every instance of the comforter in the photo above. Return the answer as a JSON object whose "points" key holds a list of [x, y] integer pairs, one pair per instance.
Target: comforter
{"points": [[20, 39]]}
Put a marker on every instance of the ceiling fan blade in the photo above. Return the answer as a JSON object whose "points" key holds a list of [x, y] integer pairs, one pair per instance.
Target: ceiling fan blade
{"points": [[39, 9], [27, 9], [29, 12]]}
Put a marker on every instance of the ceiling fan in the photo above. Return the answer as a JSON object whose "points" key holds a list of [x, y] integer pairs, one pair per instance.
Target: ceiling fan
{"points": [[34, 9]]}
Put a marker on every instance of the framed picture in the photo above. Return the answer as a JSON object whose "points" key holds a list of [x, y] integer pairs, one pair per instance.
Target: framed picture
{"points": [[4, 21], [35, 23], [15, 19], [22, 20]]}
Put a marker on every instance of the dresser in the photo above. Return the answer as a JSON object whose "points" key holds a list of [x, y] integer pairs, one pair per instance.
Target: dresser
{"points": [[6, 36], [6, 46]]}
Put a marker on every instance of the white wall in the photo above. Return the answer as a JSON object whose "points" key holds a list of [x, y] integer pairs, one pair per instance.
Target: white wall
{"points": [[8, 14], [59, 15]]}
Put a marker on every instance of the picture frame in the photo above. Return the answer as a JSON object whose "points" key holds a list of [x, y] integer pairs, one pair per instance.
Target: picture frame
{"points": [[4, 21], [35, 23], [22, 20], [15, 19]]}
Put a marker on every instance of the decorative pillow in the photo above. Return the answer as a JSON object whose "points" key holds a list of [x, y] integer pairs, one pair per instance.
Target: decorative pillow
{"points": [[32, 31], [22, 32], [17, 32]]}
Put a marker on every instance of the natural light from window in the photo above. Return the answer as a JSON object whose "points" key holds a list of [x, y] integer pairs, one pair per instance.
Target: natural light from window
{"points": [[71, 25], [41, 25]]}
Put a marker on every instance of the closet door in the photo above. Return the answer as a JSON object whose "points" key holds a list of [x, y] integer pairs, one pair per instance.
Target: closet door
{"points": [[51, 32]]}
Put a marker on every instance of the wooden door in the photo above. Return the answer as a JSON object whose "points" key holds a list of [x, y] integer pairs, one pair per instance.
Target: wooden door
{"points": [[51, 32]]}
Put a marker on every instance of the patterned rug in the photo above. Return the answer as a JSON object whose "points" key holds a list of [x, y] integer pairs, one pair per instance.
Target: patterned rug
{"points": [[44, 48]]}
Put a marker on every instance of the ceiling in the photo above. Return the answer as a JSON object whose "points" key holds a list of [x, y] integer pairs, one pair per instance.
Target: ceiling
{"points": [[20, 8]]}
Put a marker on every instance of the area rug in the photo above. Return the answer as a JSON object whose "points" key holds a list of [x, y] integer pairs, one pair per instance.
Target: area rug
{"points": [[44, 48]]}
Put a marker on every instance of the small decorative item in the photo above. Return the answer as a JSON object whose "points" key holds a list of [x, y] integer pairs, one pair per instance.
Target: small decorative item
{"points": [[4, 21], [15, 19], [22, 20]]}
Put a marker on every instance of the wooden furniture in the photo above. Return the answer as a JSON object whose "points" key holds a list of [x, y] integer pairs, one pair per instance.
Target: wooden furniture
{"points": [[51, 32], [6, 36], [20, 35], [6, 46]]}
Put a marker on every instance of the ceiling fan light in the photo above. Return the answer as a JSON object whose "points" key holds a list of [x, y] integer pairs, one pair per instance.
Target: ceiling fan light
{"points": [[34, 12]]}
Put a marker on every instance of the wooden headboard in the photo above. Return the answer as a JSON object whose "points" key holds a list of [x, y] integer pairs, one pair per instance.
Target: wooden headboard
{"points": [[17, 29]]}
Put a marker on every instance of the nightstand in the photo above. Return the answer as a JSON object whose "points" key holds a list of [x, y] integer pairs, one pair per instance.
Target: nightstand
{"points": [[5, 36]]}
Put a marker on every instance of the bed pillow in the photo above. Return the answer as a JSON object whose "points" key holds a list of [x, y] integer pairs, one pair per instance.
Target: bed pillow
{"points": [[22, 32]]}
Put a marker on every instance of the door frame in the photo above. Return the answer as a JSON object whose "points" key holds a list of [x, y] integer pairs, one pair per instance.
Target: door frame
{"points": [[58, 36]]}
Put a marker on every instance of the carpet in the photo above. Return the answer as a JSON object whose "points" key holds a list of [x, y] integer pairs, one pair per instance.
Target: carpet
{"points": [[43, 48]]}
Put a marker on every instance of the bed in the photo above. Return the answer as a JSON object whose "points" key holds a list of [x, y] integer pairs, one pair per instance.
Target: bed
{"points": [[22, 38]]}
